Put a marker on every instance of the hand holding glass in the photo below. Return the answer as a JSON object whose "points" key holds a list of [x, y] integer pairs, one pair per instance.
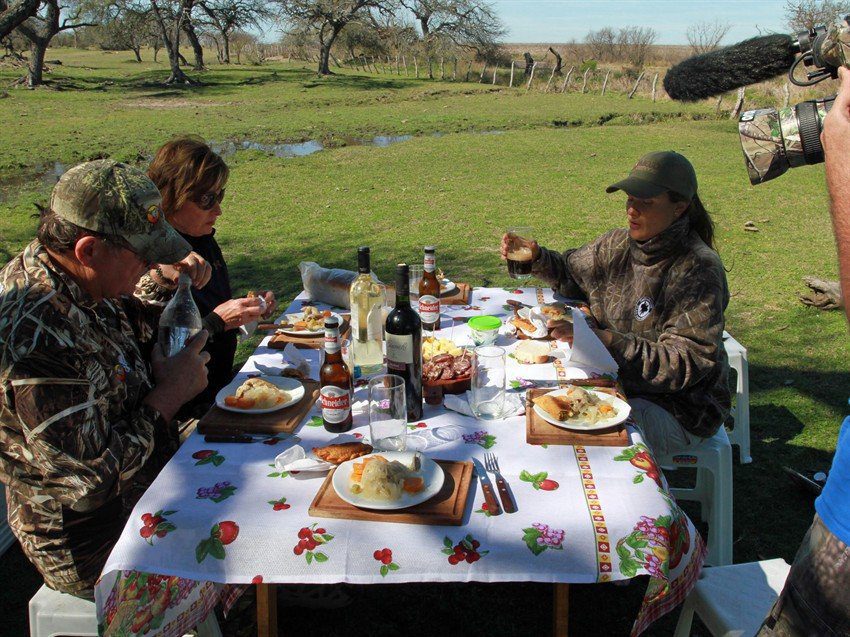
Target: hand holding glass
{"points": [[520, 255]]}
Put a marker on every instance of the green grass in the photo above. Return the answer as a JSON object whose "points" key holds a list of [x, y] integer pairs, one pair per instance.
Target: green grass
{"points": [[460, 191]]}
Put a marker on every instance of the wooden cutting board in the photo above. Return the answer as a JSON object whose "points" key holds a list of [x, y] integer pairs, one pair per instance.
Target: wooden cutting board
{"points": [[223, 422], [540, 432], [461, 295], [279, 341], [447, 508]]}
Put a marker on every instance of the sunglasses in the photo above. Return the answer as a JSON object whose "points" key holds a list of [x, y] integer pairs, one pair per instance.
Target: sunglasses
{"points": [[209, 199]]}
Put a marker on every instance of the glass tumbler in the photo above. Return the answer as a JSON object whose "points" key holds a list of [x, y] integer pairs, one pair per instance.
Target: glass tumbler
{"points": [[489, 377], [387, 413]]}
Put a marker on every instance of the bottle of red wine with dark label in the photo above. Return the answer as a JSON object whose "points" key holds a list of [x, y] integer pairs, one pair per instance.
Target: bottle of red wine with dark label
{"points": [[404, 343]]}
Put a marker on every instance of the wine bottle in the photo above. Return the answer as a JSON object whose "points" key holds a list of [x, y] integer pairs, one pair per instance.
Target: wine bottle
{"points": [[180, 320], [404, 343], [366, 299]]}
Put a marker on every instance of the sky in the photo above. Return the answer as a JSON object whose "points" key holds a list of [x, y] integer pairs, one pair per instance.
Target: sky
{"points": [[564, 20]]}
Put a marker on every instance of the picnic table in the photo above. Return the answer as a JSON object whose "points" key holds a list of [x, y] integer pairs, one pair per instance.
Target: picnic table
{"points": [[221, 517]]}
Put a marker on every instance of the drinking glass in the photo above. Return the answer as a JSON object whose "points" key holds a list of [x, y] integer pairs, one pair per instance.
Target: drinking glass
{"points": [[488, 382], [387, 412], [416, 272], [345, 349], [519, 254]]}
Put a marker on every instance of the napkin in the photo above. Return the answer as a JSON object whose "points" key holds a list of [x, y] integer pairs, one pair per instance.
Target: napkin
{"points": [[249, 328], [587, 349], [297, 458], [514, 405], [536, 317], [291, 359]]}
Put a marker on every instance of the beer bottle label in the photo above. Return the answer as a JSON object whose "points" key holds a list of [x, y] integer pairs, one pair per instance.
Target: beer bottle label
{"points": [[399, 350], [429, 309], [336, 403], [332, 341], [430, 263]]}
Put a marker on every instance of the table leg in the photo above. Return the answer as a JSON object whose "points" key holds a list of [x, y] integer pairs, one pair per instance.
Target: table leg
{"points": [[560, 610], [267, 610]]}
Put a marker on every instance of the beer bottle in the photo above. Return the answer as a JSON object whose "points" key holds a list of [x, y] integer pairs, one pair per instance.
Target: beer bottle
{"points": [[335, 381], [429, 293], [404, 343]]}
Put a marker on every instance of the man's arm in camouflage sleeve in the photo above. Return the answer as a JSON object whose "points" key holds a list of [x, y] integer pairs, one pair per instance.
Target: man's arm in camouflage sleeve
{"points": [[77, 455], [687, 349]]}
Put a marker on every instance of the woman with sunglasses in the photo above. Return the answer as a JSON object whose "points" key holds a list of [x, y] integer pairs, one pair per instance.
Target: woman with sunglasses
{"points": [[191, 179]]}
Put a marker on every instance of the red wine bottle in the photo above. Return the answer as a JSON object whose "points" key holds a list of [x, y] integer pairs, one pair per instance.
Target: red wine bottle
{"points": [[404, 343]]}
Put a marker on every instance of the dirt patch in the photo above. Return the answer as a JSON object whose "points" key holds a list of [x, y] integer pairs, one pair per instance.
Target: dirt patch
{"points": [[168, 103]]}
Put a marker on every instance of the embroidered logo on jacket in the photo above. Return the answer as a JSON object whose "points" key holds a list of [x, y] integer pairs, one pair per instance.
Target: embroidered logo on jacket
{"points": [[643, 307]]}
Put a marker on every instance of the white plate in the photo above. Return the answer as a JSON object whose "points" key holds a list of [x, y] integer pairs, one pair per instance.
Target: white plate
{"points": [[295, 317], [577, 424], [447, 286], [430, 470], [290, 385]]}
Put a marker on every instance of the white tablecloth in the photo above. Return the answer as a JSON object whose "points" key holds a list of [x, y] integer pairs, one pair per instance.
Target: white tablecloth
{"points": [[223, 513]]}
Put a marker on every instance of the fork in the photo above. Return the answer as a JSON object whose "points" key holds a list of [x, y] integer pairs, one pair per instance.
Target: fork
{"points": [[491, 463]]}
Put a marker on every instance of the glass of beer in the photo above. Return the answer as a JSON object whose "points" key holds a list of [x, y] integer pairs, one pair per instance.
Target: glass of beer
{"points": [[519, 254]]}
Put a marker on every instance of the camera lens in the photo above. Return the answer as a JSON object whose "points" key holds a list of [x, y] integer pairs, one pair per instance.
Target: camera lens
{"points": [[809, 125]]}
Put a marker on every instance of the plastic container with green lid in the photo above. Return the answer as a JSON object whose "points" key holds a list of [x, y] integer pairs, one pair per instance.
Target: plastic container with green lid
{"points": [[484, 329]]}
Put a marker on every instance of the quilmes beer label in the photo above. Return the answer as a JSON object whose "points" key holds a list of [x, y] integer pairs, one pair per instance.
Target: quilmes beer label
{"points": [[429, 309], [336, 403]]}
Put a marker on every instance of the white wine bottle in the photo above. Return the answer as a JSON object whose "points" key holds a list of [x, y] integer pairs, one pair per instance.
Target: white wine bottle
{"points": [[367, 299]]}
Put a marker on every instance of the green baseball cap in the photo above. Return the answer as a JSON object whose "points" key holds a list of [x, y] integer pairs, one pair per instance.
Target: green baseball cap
{"points": [[116, 199], [658, 172]]}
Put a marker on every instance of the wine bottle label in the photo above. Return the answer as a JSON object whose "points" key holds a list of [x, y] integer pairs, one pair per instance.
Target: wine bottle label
{"points": [[430, 263], [336, 403], [399, 349], [429, 309], [332, 341]]}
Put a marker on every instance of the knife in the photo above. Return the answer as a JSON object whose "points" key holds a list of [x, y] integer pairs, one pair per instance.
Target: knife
{"points": [[493, 507]]}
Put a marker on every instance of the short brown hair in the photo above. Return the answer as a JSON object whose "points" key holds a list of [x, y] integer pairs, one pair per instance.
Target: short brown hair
{"points": [[186, 166], [60, 235]]}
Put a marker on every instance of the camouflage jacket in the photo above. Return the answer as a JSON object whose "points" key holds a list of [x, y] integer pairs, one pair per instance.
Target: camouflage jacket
{"points": [[73, 429], [663, 300]]}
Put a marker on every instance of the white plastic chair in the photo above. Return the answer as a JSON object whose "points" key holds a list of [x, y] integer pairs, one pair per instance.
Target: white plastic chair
{"points": [[53, 613], [740, 434], [733, 601], [712, 458]]}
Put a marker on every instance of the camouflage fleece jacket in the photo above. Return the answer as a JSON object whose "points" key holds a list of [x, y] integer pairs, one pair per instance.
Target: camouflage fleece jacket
{"points": [[663, 300], [73, 429]]}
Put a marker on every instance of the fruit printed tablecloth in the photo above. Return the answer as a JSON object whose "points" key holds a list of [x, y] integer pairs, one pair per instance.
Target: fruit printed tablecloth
{"points": [[223, 515]]}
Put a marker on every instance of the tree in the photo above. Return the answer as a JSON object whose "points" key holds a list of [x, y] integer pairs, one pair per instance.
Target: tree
{"points": [[131, 27], [225, 16], [327, 18], [468, 23], [806, 14], [39, 29], [170, 16], [602, 44], [13, 15], [630, 44], [706, 36], [189, 29]]}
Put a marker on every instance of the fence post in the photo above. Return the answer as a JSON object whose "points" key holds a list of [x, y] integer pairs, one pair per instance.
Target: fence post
{"points": [[404, 61], [397, 67], [338, 65], [454, 70], [416, 66], [739, 104], [531, 76], [787, 93], [365, 66], [468, 69], [430, 68], [567, 79], [495, 70], [719, 100], [584, 83], [605, 82], [513, 64], [551, 77], [654, 84], [634, 90], [483, 71]]}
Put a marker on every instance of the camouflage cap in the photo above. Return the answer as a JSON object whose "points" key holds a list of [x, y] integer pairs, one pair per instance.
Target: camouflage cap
{"points": [[116, 199], [658, 172]]}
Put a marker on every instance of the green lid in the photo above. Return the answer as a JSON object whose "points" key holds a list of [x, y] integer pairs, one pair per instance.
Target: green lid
{"points": [[485, 322]]}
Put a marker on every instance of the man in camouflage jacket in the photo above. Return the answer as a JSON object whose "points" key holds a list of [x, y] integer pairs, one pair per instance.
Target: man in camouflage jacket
{"points": [[80, 413]]}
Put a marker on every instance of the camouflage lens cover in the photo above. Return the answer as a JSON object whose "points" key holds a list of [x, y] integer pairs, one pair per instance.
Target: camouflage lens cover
{"points": [[761, 141]]}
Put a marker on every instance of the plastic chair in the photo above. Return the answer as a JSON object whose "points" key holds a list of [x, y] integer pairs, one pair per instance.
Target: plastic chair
{"points": [[712, 458], [740, 434], [53, 613], [733, 601]]}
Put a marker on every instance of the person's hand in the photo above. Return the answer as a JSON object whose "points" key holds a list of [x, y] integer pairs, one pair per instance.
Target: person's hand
{"points": [[511, 242], [238, 312], [560, 330], [835, 137], [178, 378], [271, 303], [194, 265]]}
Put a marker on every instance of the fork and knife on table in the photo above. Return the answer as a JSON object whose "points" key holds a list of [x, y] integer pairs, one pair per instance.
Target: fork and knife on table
{"points": [[492, 465]]}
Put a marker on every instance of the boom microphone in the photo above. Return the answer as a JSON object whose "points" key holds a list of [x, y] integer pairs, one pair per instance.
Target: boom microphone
{"points": [[748, 62]]}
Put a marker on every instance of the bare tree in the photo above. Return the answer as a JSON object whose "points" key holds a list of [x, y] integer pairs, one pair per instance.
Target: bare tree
{"points": [[13, 15], [188, 26], [225, 16], [805, 14], [602, 44], [327, 18], [50, 19], [706, 36], [468, 23], [634, 42], [130, 27]]}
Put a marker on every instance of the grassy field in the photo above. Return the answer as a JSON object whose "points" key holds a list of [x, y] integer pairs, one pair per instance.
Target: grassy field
{"points": [[458, 190]]}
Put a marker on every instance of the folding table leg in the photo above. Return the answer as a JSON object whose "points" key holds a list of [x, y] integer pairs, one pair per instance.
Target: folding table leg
{"points": [[561, 610], [267, 610]]}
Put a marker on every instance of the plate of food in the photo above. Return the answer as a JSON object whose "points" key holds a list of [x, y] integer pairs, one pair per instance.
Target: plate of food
{"points": [[260, 395], [310, 322], [388, 480], [581, 409], [446, 364]]}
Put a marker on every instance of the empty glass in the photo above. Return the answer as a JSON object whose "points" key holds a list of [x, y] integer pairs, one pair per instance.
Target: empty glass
{"points": [[387, 412], [415, 277], [487, 399]]}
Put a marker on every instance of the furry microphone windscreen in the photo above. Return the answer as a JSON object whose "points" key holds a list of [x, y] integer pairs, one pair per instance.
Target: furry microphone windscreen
{"points": [[731, 67]]}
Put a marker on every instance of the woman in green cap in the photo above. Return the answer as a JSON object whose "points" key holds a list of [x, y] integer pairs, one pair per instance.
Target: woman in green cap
{"points": [[657, 292]]}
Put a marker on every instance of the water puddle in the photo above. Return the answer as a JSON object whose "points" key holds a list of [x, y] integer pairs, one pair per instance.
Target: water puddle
{"points": [[43, 176]]}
